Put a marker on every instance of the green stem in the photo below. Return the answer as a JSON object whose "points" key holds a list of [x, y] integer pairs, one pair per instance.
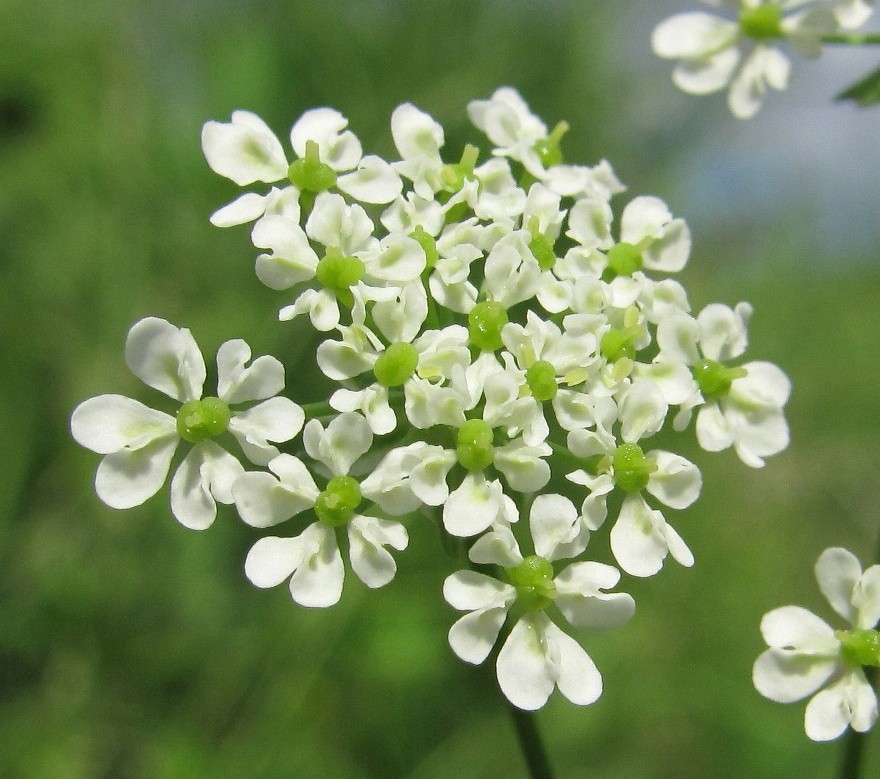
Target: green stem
{"points": [[530, 742], [316, 410], [851, 39]]}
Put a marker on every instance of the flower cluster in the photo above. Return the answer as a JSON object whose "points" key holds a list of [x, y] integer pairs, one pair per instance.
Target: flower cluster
{"points": [[806, 654], [743, 54], [505, 345]]}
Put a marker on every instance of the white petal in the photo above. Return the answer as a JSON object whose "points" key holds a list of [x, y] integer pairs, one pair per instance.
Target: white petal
{"points": [[524, 672], [130, 476], [642, 411], [166, 358], [576, 674], [243, 209], [670, 251], [108, 423], [581, 601], [275, 419], [866, 599], [677, 481], [206, 475], [637, 538], [849, 701], [238, 383], [497, 547], [785, 676], [691, 35], [704, 75], [794, 627], [764, 67], [522, 465], [272, 560], [473, 635], [339, 148], [838, 571], [556, 528], [643, 217], [264, 500], [473, 591], [714, 433], [415, 133], [473, 506], [374, 181], [368, 537], [318, 581], [244, 150], [346, 438]]}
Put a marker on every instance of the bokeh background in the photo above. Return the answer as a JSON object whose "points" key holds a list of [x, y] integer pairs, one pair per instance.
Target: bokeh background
{"points": [[130, 647]]}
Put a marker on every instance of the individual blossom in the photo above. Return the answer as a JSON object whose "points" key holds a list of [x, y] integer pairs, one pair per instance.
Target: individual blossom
{"points": [[536, 655], [139, 442], [853, 13], [738, 405], [327, 156], [311, 560], [714, 52], [806, 655]]}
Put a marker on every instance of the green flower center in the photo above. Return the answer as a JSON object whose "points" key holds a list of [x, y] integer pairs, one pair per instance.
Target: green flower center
{"points": [[632, 469], [474, 445], [616, 344], [764, 22], [484, 325], [624, 259], [859, 647], [309, 173], [396, 364], [336, 504], [198, 420], [533, 579], [548, 150], [542, 250], [338, 273], [714, 379], [541, 378]]}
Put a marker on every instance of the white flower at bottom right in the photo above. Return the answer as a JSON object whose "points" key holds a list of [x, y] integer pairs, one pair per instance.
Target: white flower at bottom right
{"points": [[807, 656]]}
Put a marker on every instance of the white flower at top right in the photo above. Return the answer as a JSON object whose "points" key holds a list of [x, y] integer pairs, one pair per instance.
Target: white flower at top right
{"points": [[743, 54], [805, 654]]}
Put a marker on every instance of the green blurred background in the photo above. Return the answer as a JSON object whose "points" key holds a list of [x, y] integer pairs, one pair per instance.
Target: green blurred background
{"points": [[130, 647]]}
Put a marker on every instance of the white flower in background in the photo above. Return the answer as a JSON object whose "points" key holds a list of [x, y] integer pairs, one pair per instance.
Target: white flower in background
{"points": [[536, 656], [853, 13], [139, 442], [312, 561], [743, 406], [807, 655], [246, 151], [708, 48]]}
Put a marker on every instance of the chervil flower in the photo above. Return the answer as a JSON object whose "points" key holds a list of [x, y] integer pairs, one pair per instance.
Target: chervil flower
{"points": [[806, 655], [312, 560], [139, 442], [742, 406], [853, 13], [327, 156], [536, 656], [708, 48]]}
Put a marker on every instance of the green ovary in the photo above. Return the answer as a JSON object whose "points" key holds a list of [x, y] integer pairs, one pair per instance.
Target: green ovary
{"points": [[396, 364], [763, 23], [337, 272], [309, 173], [859, 647], [533, 580], [198, 420], [632, 470], [474, 445], [484, 325], [541, 378], [624, 259], [337, 503], [715, 379]]}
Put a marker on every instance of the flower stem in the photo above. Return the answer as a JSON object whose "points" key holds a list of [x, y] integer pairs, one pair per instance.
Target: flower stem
{"points": [[854, 743], [318, 409], [530, 742], [847, 39]]}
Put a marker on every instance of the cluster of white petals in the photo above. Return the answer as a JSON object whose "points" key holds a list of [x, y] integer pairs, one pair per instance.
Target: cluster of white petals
{"points": [[744, 53], [808, 658], [504, 343]]}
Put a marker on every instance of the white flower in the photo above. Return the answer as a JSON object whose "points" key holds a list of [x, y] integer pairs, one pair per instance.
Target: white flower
{"points": [[312, 560], [536, 656], [743, 405], [139, 442], [806, 655], [708, 48], [246, 151], [853, 13]]}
